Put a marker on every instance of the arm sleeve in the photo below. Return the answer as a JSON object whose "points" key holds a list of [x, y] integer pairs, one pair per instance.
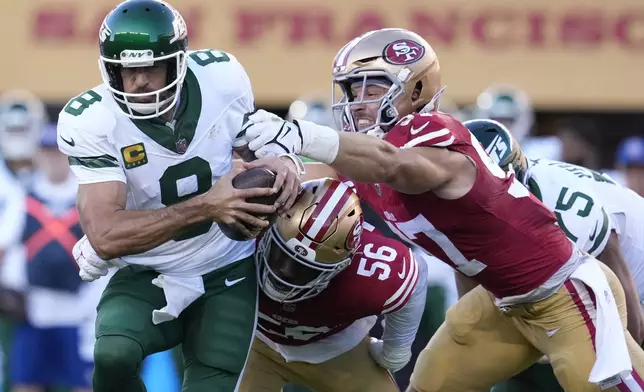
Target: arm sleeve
{"points": [[401, 326], [91, 156]]}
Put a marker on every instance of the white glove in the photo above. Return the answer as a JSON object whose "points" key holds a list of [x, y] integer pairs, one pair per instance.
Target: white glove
{"points": [[268, 134], [91, 266], [392, 360]]}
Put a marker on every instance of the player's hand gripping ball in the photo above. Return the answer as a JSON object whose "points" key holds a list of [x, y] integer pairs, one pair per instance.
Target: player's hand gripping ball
{"points": [[259, 177]]}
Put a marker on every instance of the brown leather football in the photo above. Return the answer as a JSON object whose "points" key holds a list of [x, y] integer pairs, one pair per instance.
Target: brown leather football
{"points": [[259, 177]]}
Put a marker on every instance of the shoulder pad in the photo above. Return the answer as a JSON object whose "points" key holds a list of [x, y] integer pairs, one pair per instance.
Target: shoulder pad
{"points": [[88, 112], [220, 69]]}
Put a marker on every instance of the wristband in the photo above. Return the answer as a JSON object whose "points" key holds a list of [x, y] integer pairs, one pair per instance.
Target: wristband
{"points": [[319, 143], [296, 161]]}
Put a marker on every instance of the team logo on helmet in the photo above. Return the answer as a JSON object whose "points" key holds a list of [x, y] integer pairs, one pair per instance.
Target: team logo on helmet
{"points": [[104, 33], [179, 27], [353, 240], [299, 249], [403, 51]]}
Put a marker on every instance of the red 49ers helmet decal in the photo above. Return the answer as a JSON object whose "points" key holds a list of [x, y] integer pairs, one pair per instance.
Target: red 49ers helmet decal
{"points": [[403, 51], [353, 240]]}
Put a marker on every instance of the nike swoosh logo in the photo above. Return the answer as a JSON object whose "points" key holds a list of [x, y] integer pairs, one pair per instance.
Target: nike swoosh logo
{"points": [[401, 275], [552, 332], [233, 282], [594, 233], [70, 141], [419, 129]]}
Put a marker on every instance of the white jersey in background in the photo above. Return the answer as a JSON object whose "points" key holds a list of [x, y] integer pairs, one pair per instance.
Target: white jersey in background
{"points": [[162, 168], [11, 198], [588, 205], [537, 147]]}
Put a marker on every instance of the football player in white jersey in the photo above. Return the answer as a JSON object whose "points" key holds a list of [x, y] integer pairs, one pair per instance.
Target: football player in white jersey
{"points": [[597, 214], [152, 150], [22, 117]]}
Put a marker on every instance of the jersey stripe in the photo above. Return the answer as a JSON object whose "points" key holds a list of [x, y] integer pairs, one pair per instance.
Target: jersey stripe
{"points": [[317, 210], [94, 162], [400, 297], [441, 136], [602, 238], [331, 210], [332, 203], [333, 215], [343, 56]]}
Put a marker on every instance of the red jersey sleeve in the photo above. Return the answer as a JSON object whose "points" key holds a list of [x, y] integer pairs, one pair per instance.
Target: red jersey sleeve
{"points": [[428, 130], [392, 270]]}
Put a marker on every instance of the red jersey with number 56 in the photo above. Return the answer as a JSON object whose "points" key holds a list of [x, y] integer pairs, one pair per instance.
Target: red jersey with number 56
{"points": [[498, 233], [379, 280]]}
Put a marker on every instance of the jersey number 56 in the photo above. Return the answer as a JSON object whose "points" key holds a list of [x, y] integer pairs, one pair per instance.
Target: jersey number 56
{"points": [[369, 266]]}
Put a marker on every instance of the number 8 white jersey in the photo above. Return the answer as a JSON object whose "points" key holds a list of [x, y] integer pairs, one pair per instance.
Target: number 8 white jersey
{"points": [[166, 163]]}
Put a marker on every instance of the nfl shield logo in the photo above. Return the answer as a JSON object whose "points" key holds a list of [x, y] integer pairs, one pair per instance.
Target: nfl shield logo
{"points": [[378, 190], [181, 145], [288, 307]]}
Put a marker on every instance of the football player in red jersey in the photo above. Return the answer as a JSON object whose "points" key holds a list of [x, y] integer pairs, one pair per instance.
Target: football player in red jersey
{"points": [[323, 282], [431, 180]]}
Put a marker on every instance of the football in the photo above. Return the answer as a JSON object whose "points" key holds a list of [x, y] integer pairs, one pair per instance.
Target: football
{"points": [[258, 177]]}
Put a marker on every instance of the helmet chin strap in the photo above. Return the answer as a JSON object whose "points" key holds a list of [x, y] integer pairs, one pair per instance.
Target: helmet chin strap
{"points": [[149, 108], [272, 292]]}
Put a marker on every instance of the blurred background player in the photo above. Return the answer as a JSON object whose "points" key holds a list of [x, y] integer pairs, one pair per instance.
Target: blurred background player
{"points": [[46, 344], [512, 107], [22, 117], [630, 161], [322, 287]]}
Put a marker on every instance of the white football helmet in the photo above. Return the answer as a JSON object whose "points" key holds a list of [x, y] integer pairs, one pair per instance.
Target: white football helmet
{"points": [[22, 119]]}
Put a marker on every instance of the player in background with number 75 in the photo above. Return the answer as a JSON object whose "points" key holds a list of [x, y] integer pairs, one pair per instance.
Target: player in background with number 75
{"points": [[152, 150], [323, 281], [432, 182], [598, 215]]}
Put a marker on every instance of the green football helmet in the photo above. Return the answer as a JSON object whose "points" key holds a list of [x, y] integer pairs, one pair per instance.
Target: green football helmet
{"points": [[140, 33], [509, 106], [500, 145]]}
